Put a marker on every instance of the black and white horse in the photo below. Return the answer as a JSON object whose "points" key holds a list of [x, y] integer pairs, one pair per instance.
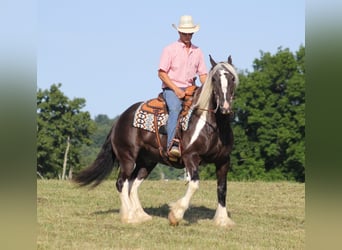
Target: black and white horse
{"points": [[208, 139]]}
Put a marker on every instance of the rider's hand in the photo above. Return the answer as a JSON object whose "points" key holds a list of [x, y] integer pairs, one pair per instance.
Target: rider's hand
{"points": [[180, 93]]}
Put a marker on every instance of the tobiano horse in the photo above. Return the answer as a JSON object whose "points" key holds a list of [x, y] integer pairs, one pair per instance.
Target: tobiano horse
{"points": [[208, 139]]}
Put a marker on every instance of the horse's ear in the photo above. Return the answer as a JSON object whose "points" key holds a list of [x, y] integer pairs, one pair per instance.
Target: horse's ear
{"points": [[230, 61], [213, 63]]}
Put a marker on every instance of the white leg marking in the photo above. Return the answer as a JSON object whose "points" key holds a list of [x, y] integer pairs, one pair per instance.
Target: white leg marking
{"points": [[221, 217], [187, 175], [179, 207], [126, 204], [138, 212]]}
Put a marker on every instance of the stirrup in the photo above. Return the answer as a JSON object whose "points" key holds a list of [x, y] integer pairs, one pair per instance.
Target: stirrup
{"points": [[174, 151]]}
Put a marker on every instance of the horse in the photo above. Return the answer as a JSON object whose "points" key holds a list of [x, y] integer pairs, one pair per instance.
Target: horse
{"points": [[208, 139]]}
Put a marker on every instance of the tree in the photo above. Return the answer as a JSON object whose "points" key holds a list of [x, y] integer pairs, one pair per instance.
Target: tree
{"points": [[269, 126], [164, 172], [103, 125], [62, 128]]}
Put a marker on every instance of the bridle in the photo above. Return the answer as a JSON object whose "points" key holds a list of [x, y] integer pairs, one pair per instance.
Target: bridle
{"points": [[217, 97], [210, 110]]}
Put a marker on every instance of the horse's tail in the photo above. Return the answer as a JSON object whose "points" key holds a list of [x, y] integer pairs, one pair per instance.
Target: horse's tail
{"points": [[100, 168]]}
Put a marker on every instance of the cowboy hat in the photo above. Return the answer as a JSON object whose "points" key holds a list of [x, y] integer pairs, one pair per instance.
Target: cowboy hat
{"points": [[186, 25]]}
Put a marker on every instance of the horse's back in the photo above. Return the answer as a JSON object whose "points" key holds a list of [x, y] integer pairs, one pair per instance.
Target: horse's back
{"points": [[129, 112], [125, 120]]}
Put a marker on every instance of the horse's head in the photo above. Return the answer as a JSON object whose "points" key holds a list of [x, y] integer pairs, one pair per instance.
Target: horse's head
{"points": [[219, 88], [224, 80]]}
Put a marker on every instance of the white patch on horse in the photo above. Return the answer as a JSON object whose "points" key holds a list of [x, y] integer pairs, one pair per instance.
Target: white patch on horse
{"points": [[138, 213], [187, 176], [221, 217], [179, 207], [126, 203], [224, 87], [199, 126]]}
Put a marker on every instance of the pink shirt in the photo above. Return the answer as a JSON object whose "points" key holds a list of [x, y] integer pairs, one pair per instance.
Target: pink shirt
{"points": [[180, 65]]}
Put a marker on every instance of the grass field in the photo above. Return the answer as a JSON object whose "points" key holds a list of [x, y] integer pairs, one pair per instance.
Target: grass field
{"points": [[267, 216]]}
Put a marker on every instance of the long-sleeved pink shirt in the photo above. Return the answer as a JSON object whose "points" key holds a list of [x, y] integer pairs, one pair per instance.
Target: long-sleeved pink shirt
{"points": [[180, 65]]}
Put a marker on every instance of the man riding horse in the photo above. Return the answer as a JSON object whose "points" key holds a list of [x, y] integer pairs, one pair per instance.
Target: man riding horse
{"points": [[208, 137], [180, 62]]}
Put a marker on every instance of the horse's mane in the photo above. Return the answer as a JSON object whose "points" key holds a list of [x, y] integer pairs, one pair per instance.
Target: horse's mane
{"points": [[207, 88]]}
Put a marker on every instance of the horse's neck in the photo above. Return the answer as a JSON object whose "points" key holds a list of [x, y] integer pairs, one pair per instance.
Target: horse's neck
{"points": [[223, 120], [219, 121]]}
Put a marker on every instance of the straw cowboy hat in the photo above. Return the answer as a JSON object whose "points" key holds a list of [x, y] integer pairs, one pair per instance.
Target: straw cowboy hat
{"points": [[186, 25]]}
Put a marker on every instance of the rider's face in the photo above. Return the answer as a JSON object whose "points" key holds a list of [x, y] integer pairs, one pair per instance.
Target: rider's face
{"points": [[185, 37]]}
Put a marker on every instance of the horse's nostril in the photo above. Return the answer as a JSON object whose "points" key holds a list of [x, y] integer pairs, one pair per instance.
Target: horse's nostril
{"points": [[225, 111], [226, 105]]}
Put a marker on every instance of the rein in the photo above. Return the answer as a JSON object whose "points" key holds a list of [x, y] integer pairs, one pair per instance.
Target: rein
{"points": [[160, 147], [210, 110]]}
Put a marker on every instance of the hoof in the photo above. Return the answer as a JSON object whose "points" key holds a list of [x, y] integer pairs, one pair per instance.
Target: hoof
{"points": [[145, 218], [142, 216], [136, 219], [172, 219], [227, 223]]}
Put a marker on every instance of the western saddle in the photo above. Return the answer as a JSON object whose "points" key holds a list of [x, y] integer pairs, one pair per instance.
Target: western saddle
{"points": [[158, 106]]}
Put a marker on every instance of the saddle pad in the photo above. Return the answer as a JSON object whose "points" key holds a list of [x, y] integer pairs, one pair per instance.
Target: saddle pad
{"points": [[145, 120]]}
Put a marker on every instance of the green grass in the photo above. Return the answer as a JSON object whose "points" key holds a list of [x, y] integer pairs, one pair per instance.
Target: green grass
{"points": [[268, 216]]}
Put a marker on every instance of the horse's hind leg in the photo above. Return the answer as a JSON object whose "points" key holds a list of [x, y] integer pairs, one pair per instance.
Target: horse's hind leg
{"points": [[123, 186], [131, 210], [139, 214], [221, 216]]}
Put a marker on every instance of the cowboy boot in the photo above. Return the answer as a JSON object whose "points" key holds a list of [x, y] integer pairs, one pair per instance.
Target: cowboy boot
{"points": [[174, 151]]}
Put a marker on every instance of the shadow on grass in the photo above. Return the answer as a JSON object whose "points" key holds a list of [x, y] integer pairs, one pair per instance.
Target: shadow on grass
{"points": [[192, 215], [110, 211]]}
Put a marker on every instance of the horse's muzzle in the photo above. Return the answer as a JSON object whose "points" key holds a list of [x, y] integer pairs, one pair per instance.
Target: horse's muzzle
{"points": [[225, 108], [225, 111]]}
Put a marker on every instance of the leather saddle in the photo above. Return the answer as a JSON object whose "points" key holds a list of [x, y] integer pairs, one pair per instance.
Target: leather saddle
{"points": [[155, 105], [158, 105]]}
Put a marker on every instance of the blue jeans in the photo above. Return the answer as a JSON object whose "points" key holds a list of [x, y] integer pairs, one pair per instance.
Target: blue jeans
{"points": [[174, 105]]}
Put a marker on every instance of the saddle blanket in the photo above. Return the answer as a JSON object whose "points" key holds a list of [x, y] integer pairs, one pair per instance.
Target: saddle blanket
{"points": [[145, 120]]}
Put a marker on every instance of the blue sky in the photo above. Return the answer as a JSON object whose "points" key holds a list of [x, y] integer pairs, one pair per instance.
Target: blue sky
{"points": [[108, 51]]}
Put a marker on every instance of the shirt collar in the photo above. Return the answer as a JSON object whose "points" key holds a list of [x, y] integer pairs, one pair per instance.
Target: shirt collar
{"points": [[183, 45]]}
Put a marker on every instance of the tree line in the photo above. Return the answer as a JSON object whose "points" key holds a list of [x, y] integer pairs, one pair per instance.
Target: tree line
{"points": [[268, 125]]}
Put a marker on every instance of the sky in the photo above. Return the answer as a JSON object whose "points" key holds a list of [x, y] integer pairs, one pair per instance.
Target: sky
{"points": [[108, 52]]}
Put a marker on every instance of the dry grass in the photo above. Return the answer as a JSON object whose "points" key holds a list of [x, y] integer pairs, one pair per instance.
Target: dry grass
{"points": [[268, 216]]}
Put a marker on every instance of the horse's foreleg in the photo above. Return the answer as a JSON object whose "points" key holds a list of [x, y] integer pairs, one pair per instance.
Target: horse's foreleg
{"points": [[221, 216], [179, 207]]}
